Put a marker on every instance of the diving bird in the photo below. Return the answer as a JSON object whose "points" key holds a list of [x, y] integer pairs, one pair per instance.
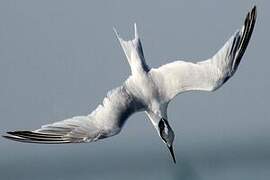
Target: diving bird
{"points": [[146, 89]]}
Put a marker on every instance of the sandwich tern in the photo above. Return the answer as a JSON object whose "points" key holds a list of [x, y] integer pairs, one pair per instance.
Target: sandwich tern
{"points": [[146, 89]]}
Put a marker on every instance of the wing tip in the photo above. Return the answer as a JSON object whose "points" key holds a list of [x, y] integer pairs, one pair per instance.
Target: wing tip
{"points": [[13, 138], [254, 8], [33, 137], [246, 33]]}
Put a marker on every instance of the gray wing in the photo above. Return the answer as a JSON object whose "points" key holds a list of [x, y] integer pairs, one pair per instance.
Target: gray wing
{"points": [[209, 75], [105, 121]]}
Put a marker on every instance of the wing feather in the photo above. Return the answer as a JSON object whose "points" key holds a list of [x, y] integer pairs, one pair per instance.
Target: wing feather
{"points": [[107, 120], [208, 75]]}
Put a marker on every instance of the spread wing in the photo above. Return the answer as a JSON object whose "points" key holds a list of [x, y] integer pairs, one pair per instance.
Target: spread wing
{"points": [[180, 76], [107, 120]]}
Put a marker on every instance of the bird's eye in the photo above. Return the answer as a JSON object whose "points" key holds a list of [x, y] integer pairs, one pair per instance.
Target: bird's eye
{"points": [[162, 127]]}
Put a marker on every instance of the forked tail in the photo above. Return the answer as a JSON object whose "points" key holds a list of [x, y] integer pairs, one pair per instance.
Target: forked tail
{"points": [[133, 51]]}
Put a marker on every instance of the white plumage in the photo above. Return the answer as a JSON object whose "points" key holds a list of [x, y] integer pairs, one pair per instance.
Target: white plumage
{"points": [[146, 89]]}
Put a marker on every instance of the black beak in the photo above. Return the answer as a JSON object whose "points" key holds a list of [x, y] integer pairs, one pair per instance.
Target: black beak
{"points": [[172, 153]]}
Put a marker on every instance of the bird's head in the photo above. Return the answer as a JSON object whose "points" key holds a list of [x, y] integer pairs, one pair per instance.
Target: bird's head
{"points": [[167, 135], [158, 117]]}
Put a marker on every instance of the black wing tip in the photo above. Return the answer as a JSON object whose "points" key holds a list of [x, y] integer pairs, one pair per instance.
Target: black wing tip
{"points": [[251, 15], [254, 9], [254, 12], [10, 135], [240, 48], [32, 133], [14, 133], [34, 137], [14, 138]]}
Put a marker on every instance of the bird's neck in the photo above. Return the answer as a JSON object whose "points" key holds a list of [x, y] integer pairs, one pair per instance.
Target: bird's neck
{"points": [[157, 113]]}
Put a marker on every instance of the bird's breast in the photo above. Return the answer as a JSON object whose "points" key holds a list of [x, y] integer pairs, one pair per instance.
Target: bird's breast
{"points": [[143, 88]]}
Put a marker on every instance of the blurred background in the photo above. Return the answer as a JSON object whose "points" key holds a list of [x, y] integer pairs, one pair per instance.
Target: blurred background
{"points": [[59, 58]]}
